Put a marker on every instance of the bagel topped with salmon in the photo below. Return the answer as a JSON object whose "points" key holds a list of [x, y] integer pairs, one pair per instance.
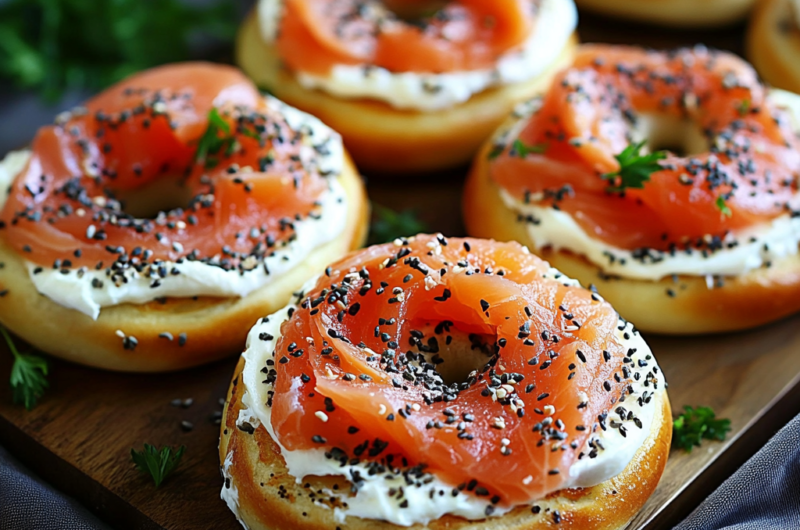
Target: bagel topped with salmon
{"points": [[411, 86], [138, 230], [443, 383], [668, 180]]}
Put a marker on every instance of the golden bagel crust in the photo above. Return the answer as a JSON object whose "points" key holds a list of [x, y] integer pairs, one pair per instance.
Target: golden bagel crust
{"points": [[674, 13], [270, 498], [215, 327], [384, 139], [773, 44], [758, 297]]}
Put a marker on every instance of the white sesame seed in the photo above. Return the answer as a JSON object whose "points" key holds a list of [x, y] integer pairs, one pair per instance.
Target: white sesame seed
{"points": [[321, 415]]}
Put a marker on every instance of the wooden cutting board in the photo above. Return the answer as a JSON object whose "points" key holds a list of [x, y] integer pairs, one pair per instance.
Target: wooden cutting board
{"points": [[80, 436]]}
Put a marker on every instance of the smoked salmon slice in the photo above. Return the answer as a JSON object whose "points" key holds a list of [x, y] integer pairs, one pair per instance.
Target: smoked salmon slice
{"points": [[743, 173], [316, 35], [368, 349], [240, 179]]}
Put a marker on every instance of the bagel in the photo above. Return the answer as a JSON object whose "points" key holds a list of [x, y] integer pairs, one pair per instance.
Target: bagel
{"points": [[168, 327], [673, 13], [677, 302], [773, 43], [267, 494], [381, 137]]}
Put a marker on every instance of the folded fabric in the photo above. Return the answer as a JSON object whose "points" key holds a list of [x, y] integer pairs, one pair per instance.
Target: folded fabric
{"points": [[26, 503], [763, 495]]}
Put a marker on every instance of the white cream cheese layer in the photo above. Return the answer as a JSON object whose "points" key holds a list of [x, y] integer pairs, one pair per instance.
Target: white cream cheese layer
{"points": [[555, 23], [229, 493], [606, 455], [741, 251], [88, 290]]}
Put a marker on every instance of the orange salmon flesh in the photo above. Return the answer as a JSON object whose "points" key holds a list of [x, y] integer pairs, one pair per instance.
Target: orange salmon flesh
{"points": [[66, 209], [747, 176], [316, 35], [366, 345]]}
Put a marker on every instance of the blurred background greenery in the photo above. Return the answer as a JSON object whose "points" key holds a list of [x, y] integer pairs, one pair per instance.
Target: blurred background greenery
{"points": [[54, 46]]}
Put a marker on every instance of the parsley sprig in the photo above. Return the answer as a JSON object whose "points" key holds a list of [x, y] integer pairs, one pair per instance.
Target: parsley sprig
{"points": [[216, 139], [694, 425], [723, 207], [28, 375], [158, 463], [744, 107], [634, 168], [388, 224], [56, 45], [518, 148], [522, 149]]}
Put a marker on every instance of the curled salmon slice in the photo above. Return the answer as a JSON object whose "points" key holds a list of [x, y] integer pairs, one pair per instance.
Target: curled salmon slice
{"points": [[461, 357], [744, 172], [409, 36], [197, 137]]}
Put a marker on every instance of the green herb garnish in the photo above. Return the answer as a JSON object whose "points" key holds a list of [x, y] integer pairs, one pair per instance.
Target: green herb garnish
{"points": [[524, 150], [28, 375], [56, 45], [496, 151], [723, 207], [216, 138], [634, 168], [157, 463], [388, 224], [744, 107], [696, 424]]}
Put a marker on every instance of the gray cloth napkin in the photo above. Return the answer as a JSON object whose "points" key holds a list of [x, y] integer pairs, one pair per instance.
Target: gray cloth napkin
{"points": [[763, 495], [27, 503]]}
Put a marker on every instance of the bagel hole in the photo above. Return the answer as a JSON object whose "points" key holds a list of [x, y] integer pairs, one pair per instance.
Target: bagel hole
{"points": [[455, 354], [664, 132], [161, 195]]}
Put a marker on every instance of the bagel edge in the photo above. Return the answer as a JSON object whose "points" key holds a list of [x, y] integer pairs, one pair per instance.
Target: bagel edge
{"points": [[673, 13]]}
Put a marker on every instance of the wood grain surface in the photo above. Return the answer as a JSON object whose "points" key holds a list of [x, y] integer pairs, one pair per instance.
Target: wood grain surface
{"points": [[80, 436]]}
